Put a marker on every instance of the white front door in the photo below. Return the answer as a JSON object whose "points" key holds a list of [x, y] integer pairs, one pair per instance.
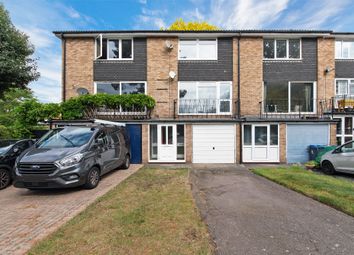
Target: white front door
{"points": [[166, 135], [345, 129], [260, 143]]}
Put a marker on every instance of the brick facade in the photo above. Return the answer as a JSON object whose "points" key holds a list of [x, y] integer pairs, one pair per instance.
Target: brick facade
{"points": [[78, 65], [160, 61], [333, 134], [282, 142], [325, 59], [251, 74]]}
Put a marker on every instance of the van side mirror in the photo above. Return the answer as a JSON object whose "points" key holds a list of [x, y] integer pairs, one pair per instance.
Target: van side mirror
{"points": [[16, 150]]}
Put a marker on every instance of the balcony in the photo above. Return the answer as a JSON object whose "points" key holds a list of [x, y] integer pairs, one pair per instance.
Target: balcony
{"points": [[295, 109], [205, 108], [343, 104]]}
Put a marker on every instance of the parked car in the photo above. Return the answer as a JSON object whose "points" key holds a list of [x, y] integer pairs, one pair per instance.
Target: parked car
{"points": [[73, 156], [8, 155], [340, 159]]}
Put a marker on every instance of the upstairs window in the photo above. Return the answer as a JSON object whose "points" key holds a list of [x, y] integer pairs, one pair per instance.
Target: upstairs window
{"points": [[345, 87], [282, 48], [344, 49], [197, 49], [120, 49], [121, 88]]}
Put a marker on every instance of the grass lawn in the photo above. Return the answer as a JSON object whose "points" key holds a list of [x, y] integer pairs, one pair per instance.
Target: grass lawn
{"points": [[152, 212], [329, 190]]}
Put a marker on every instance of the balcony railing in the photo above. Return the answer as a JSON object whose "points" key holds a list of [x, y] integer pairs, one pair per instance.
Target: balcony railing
{"points": [[295, 109], [133, 113], [205, 107]]}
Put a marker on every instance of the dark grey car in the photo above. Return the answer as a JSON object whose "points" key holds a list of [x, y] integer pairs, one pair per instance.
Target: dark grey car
{"points": [[73, 156]]}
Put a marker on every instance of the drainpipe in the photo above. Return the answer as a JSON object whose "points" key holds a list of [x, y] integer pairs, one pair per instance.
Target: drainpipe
{"points": [[63, 87], [239, 91]]}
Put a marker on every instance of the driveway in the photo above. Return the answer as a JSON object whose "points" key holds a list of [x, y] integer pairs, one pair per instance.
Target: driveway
{"points": [[247, 214], [28, 216]]}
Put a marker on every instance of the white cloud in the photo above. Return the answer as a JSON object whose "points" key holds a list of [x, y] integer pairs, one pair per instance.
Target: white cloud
{"points": [[143, 1], [246, 14], [149, 22], [38, 36], [193, 15], [316, 14]]}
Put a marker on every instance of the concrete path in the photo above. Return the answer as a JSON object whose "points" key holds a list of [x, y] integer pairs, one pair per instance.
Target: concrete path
{"points": [[28, 216], [247, 214]]}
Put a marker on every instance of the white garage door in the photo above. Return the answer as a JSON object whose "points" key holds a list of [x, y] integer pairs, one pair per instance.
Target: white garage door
{"points": [[214, 143]]}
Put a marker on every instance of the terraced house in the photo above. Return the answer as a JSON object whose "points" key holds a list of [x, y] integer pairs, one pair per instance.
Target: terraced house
{"points": [[221, 96]]}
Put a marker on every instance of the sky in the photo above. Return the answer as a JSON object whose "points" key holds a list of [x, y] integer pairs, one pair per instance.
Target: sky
{"points": [[38, 18]]}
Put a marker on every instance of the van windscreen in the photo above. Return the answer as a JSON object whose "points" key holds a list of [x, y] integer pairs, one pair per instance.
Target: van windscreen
{"points": [[65, 138]]}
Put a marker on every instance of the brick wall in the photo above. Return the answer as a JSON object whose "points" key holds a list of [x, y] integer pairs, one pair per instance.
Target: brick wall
{"points": [[79, 65], [160, 62], [189, 143], [282, 142], [251, 72], [234, 74], [333, 134], [326, 55], [145, 142]]}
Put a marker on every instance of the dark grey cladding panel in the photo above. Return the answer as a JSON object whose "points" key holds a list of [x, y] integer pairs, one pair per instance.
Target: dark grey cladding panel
{"points": [[301, 70], [204, 70], [344, 69], [123, 70]]}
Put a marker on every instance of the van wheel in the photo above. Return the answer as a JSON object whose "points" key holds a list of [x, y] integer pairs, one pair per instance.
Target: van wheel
{"points": [[328, 168], [92, 178], [5, 178], [126, 164]]}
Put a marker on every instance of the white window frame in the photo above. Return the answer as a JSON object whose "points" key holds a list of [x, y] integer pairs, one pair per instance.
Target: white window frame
{"points": [[120, 48], [289, 98], [198, 49], [287, 49], [120, 85], [348, 86], [341, 50], [207, 83], [101, 43], [343, 135]]}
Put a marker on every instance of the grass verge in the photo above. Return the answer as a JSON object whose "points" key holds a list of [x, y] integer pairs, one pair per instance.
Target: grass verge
{"points": [[329, 190], [152, 212]]}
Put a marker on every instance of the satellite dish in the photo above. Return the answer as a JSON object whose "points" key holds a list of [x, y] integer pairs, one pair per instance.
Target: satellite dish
{"points": [[168, 45], [172, 74], [82, 91]]}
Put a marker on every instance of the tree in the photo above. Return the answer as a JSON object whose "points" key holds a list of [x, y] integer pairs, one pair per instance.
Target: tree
{"points": [[11, 99], [180, 24], [17, 67]]}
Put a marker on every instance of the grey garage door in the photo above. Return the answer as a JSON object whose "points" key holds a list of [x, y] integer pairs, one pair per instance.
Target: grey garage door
{"points": [[300, 136]]}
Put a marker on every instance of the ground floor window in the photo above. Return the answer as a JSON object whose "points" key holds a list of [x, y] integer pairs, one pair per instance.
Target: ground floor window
{"points": [[204, 97], [167, 142], [289, 97], [345, 132], [260, 143]]}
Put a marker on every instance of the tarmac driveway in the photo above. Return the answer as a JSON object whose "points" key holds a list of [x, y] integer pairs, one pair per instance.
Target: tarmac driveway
{"points": [[28, 216], [247, 214]]}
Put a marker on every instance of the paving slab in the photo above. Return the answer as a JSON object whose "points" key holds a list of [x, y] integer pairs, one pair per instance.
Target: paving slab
{"points": [[28, 216]]}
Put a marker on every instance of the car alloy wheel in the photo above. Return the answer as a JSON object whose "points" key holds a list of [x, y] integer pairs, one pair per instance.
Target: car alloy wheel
{"points": [[328, 168], [93, 178], [4, 178], [126, 162]]}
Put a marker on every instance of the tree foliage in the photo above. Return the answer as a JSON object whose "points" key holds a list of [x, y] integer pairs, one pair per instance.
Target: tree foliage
{"points": [[180, 24], [17, 67]]}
